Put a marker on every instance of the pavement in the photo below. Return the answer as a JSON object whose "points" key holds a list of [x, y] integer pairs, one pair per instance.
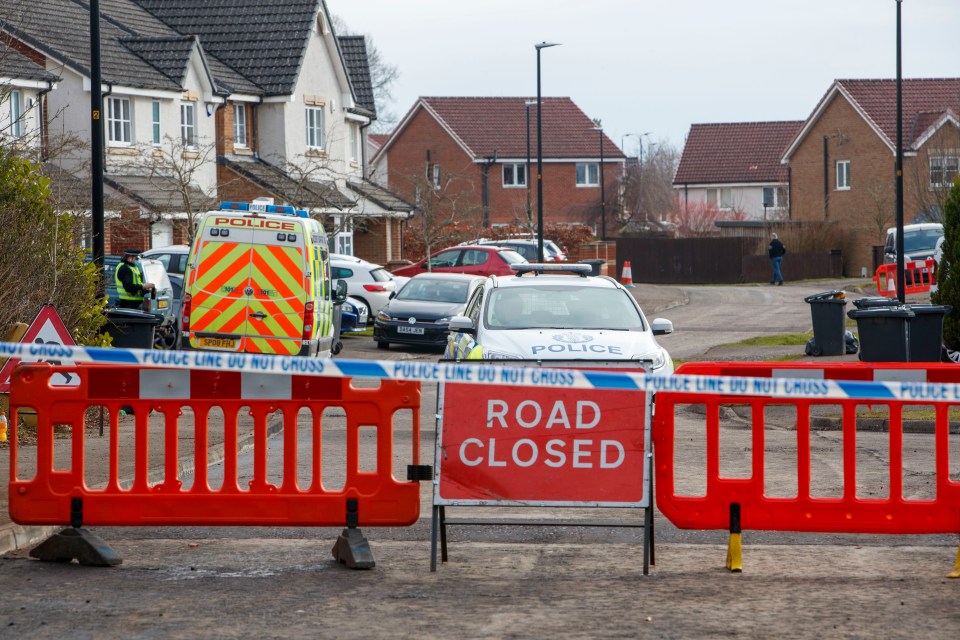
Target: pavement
{"points": [[655, 299]]}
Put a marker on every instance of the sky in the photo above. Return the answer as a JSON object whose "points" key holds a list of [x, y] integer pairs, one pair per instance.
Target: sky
{"points": [[655, 66]]}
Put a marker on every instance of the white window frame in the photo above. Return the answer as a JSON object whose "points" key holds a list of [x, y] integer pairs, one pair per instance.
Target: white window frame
{"points": [[16, 113], [944, 173], [240, 126], [155, 133], [588, 180], [314, 128], [515, 169], [188, 124], [436, 176], [119, 122], [843, 175], [721, 198], [344, 239], [354, 143]]}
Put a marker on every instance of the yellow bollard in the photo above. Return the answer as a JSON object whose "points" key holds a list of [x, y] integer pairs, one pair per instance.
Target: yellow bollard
{"points": [[735, 544], [956, 567]]}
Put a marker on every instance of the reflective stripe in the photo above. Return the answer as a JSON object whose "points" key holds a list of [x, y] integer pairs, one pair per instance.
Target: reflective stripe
{"points": [[137, 280]]}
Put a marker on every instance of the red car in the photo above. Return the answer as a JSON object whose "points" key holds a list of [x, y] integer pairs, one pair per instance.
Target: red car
{"points": [[472, 259]]}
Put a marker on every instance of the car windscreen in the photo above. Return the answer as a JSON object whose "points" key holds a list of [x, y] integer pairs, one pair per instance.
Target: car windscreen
{"points": [[562, 307], [431, 290], [922, 240]]}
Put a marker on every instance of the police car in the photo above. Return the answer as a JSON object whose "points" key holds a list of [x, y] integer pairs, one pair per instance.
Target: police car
{"points": [[557, 312]]}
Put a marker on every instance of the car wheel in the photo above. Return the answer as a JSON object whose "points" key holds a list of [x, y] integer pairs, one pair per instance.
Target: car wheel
{"points": [[165, 339], [383, 345]]}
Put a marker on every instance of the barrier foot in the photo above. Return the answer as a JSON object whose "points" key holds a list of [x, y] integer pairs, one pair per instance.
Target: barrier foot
{"points": [[956, 567], [353, 550], [734, 545], [76, 543]]}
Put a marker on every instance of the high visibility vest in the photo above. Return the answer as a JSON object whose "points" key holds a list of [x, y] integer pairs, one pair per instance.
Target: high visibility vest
{"points": [[464, 347], [137, 280]]}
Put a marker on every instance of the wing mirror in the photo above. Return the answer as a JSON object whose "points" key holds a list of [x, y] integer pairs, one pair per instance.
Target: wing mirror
{"points": [[661, 326], [341, 293], [462, 324]]}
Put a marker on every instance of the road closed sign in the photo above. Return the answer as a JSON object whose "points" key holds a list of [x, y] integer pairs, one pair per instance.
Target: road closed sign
{"points": [[501, 445]]}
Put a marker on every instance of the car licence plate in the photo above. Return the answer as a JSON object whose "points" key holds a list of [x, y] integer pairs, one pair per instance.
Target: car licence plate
{"points": [[161, 304], [217, 343], [417, 331]]}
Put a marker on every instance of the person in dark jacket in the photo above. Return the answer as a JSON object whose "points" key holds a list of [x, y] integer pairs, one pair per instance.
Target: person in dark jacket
{"points": [[129, 281], [776, 251]]}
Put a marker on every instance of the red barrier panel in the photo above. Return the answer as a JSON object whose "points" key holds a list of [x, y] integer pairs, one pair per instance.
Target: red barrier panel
{"points": [[846, 513], [918, 277], [45, 499]]}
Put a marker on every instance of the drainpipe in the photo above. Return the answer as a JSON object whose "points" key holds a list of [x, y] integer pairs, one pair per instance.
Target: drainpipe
{"points": [[826, 179], [487, 163], [789, 193], [41, 113]]}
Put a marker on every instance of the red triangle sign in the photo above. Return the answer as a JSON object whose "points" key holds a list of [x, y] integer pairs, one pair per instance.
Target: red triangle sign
{"points": [[46, 328]]}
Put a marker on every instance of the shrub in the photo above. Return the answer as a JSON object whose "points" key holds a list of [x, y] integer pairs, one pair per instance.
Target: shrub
{"points": [[948, 271]]}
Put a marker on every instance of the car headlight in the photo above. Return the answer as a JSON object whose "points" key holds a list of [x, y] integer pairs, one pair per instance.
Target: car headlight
{"points": [[492, 354], [383, 316], [658, 359]]}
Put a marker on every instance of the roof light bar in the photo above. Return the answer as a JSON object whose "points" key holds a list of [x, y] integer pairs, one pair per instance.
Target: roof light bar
{"points": [[259, 207], [533, 267]]}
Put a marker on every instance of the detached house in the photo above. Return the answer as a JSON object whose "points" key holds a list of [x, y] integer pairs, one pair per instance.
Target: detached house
{"points": [[736, 168], [842, 161], [24, 84], [202, 106], [486, 149]]}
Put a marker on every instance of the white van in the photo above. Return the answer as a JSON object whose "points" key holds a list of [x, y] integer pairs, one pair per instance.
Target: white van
{"points": [[919, 242]]}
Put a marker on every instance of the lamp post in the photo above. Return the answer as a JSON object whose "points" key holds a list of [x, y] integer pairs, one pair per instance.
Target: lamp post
{"points": [[539, 46], [901, 280], [527, 105], [603, 196]]}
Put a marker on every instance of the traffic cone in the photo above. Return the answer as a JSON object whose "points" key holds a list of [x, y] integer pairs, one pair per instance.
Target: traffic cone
{"points": [[627, 278]]}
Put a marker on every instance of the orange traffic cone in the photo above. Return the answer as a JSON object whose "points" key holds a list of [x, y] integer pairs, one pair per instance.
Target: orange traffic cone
{"points": [[627, 278]]}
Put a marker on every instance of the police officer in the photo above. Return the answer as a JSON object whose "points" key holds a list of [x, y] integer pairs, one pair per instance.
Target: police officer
{"points": [[129, 279]]}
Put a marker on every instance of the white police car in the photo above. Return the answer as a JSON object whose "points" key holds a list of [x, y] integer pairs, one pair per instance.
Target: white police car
{"points": [[557, 312]]}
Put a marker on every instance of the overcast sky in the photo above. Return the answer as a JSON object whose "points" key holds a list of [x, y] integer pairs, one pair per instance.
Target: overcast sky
{"points": [[655, 66]]}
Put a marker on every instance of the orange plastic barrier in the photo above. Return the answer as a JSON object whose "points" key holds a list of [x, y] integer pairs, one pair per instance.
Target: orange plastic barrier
{"points": [[918, 277], [847, 513], [45, 499]]}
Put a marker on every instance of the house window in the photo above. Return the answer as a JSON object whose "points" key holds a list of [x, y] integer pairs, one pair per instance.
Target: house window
{"points": [[240, 125], [16, 114], [315, 127], [155, 122], [943, 169], [118, 122], [588, 174], [344, 239], [720, 198], [514, 174], [354, 143], [436, 176], [843, 175], [188, 124]]}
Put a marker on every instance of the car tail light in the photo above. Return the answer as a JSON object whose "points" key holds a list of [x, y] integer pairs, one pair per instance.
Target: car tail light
{"points": [[308, 321], [185, 313], [376, 288]]}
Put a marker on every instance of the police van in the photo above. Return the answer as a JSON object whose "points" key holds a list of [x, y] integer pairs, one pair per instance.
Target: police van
{"points": [[258, 281]]}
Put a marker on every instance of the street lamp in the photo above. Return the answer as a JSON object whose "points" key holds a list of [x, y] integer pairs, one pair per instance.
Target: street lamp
{"points": [[603, 196], [539, 46], [527, 105], [901, 280]]}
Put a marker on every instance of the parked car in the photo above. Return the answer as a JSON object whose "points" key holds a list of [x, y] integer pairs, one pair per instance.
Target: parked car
{"points": [[919, 242], [164, 304], [558, 312], [368, 282], [353, 314], [419, 314], [173, 258], [477, 260], [528, 249]]}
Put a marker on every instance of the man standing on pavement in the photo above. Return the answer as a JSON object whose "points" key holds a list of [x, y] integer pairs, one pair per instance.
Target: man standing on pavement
{"points": [[776, 251], [129, 279]]}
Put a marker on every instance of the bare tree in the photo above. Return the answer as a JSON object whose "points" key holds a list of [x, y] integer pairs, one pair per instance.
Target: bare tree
{"points": [[647, 184], [446, 213], [383, 75]]}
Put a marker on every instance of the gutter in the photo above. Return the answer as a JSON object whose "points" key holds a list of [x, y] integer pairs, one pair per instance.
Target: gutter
{"points": [[43, 116]]}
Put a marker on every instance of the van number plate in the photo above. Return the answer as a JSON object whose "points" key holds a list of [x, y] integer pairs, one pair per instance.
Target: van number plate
{"points": [[417, 331], [217, 343]]}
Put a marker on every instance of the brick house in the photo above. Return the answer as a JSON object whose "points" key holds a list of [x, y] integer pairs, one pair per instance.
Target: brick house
{"points": [[736, 168], [198, 108], [480, 144], [841, 163]]}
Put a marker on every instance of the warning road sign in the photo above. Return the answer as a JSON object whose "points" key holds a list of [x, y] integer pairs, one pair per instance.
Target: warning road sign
{"points": [[46, 329]]}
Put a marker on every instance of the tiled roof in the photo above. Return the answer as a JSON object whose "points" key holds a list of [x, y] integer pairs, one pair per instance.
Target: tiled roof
{"points": [[69, 192], [264, 40], [310, 194], [354, 50], [487, 125], [169, 54], [378, 138], [382, 197], [157, 193], [736, 152], [878, 100], [16, 65]]}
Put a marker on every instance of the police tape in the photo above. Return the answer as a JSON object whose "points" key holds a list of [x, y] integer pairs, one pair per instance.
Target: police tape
{"points": [[470, 373]]}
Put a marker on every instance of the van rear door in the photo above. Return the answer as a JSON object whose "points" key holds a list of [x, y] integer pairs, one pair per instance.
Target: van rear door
{"points": [[279, 289]]}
